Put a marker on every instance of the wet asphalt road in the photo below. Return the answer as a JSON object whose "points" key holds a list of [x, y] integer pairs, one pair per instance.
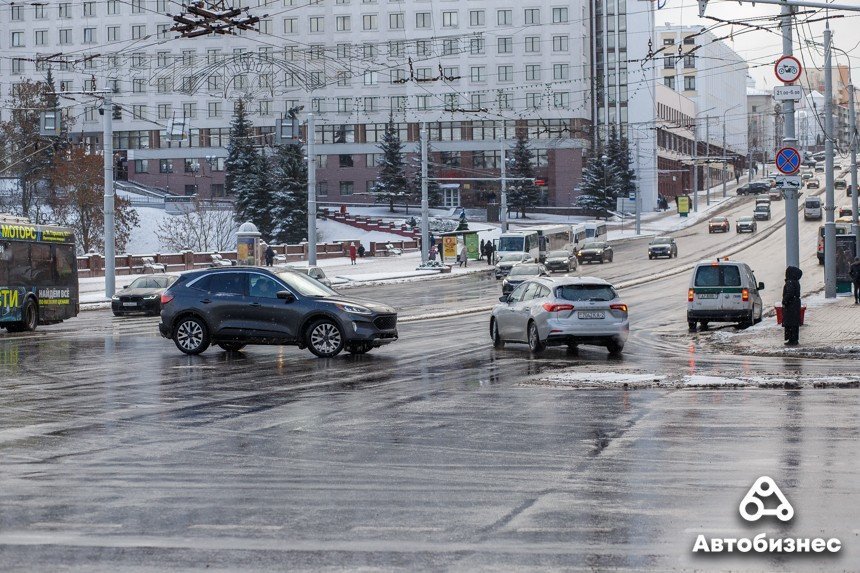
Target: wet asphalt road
{"points": [[119, 453]]}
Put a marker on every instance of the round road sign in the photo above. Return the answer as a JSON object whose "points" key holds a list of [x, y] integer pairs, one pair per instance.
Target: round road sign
{"points": [[788, 160], [787, 69]]}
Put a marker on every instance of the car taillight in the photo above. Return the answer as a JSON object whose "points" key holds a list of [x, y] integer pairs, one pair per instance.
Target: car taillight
{"points": [[621, 307], [691, 294], [552, 307], [745, 295], [165, 298]]}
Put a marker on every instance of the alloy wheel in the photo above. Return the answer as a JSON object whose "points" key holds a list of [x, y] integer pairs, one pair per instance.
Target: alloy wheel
{"points": [[325, 338], [189, 335]]}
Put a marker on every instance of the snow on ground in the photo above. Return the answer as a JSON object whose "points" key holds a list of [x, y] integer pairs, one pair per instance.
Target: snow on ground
{"points": [[143, 239], [600, 379], [331, 231]]}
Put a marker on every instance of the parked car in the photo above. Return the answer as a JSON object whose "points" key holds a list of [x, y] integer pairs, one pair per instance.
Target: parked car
{"points": [[662, 247], [312, 271], [761, 213], [561, 261], [813, 183], [746, 225], [845, 211], [507, 260], [595, 251], [235, 307], [561, 311], [142, 295], [723, 291], [718, 225], [771, 182], [521, 273]]}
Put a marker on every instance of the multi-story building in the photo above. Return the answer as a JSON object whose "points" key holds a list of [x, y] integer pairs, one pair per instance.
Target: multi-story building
{"points": [[475, 73], [812, 80], [706, 70], [764, 119], [675, 140]]}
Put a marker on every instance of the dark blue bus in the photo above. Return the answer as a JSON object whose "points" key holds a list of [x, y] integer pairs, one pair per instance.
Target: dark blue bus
{"points": [[38, 274]]}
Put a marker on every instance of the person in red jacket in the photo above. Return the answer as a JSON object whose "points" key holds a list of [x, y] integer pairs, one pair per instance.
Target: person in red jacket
{"points": [[352, 253]]}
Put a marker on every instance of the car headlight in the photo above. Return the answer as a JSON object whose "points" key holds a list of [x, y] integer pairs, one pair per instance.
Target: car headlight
{"points": [[115, 297], [151, 296], [354, 309]]}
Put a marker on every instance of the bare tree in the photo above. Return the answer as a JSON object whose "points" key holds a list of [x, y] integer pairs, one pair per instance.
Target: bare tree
{"points": [[203, 227]]}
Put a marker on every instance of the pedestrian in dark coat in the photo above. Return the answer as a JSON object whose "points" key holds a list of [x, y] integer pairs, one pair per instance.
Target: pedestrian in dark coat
{"points": [[855, 278], [483, 250], [361, 250], [270, 255], [490, 250], [791, 305]]}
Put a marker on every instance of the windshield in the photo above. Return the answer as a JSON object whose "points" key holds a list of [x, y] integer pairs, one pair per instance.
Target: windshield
{"points": [[304, 285], [762, 208], [597, 293], [593, 246], [661, 241], [719, 220], [525, 270], [507, 258], [512, 244], [745, 220], [150, 282], [558, 254]]}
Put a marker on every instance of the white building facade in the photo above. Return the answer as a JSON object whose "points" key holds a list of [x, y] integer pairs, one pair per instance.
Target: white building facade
{"points": [[475, 73]]}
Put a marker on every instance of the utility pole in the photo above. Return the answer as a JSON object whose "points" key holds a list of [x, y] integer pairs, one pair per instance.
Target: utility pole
{"points": [[829, 207], [425, 203], [312, 193], [707, 159], [695, 168], [725, 156], [852, 139], [792, 243], [638, 188], [110, 240], [503, 216]]}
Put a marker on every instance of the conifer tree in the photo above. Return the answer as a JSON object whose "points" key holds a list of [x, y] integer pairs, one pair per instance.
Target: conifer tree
{"points": [[290, 189], [522, 194], [618, 152], [600, 182], [391, 184], [241, 163]]}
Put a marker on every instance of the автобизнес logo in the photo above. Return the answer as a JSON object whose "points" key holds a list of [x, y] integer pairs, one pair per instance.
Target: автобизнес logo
{"points": [[752, 506]]}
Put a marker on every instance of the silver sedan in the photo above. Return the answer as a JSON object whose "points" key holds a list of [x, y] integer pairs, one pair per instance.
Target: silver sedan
{"points": [[559, 311]]}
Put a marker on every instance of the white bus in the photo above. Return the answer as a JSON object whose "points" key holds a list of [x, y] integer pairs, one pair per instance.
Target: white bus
{"points": [[579, 234], [595, 230], [537, 241], [554, 238], [520, 241]]}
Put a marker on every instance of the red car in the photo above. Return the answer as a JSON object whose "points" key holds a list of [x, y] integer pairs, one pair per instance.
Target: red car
{"points": [[718, 225]]}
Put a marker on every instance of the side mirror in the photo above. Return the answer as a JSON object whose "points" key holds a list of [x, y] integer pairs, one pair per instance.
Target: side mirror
{"points": [[126, 286], [760, 286], [286, 296], [503, 298]]}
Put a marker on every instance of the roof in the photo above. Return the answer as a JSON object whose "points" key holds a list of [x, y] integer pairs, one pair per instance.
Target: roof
{"points": [[565, 281]]}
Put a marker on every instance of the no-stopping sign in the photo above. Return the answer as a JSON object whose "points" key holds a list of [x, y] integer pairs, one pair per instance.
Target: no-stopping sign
{"points": [[787, 69]]}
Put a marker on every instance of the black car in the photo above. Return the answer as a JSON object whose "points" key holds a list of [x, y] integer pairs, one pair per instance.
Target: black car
{"points": [[754, 188], [762, 213], [234, 307], [142, 295], [662, 247], [561, 261], [521, 273], [595, 251], [746, 225]]}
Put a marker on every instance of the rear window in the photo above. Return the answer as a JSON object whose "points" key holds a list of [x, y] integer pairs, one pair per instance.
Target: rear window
{"points": [[716, 276], [813, 203], [597, 293]]}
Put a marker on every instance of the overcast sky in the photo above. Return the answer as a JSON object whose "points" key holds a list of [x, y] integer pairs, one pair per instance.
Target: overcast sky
{"points": [[761, 47]]}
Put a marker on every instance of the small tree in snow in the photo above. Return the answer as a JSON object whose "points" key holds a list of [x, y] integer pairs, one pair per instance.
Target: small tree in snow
{"points": [[522, 193], [391, 184], [241, 164], [202, 228], [600, 184], [618, 152], [290, 194]]}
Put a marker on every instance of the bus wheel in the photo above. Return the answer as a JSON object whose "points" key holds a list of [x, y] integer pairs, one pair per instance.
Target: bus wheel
{"points": [[30, 314]]}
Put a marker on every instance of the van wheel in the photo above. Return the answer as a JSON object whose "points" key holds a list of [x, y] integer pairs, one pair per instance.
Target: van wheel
{"points": [[691, 325], [536, 345], [494, 334], [191, 335]]}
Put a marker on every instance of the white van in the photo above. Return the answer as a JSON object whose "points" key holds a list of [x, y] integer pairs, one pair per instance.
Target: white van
{"points": [[812, 209], [723, 291], [595, 230]]}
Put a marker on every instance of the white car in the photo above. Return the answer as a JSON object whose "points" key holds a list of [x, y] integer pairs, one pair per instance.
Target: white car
{"points": [[723, 291], [313, 272], [506, 261], [568, 311]]}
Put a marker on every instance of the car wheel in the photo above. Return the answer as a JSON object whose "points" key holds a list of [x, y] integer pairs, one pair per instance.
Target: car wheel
{"points": [[359, 348], [691, 325], [536, 345], [611, 257], [324, 338], [602, 259], [191, 335], [30, 315], [494, 334], [615, 347], [650, 257], [573, 348], [704, 325], [117, 313], [231, 346]]}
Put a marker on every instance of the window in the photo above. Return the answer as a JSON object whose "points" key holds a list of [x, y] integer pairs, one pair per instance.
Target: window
{"points": [[345, 161], [344, 104], [64, 10], [89, 35], [689, 83], [476, 46], [690, 61], [262, 286], [560, 43], [398, 76], [479, 73], [668, 62], [18, 12], [396, 49], [690, 40], [141, 166], [478, 101], [451, 73], [214, 108], [347, 187], [398, 103], [138, 32], [450, 46], [532, 44], [560, 72], [423, 48], [668, 41], [369, 22], [368, 51], [373, 160], [422, 102], [138, 111], [532, 72], [136, 6], [189, 110], [17, 39], [65, 36], [322, 188], [163, 85], [506, 45], [506, 73], [371, 104], [161, 6], [40, 11], [449, 19], [316, 51], [17, 65], [89, 8], [113, 7], [422, 19], [316, 79], [316, 24], [89, 113], [113, 33], [165, 166], [396, 21], [533, 100], [559, 15], [370, 78], [504, 17], [342, 79], [476, 18], [165, 111], [41, 37], [669, 82], [532, 16], [561, 99], [452, 102]]}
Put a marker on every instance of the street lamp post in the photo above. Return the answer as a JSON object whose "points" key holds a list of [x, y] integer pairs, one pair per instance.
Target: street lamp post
{"points": [[725, 154], [696, 159]]}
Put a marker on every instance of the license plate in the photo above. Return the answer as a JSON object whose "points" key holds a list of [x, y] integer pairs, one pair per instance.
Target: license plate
{"points": [[591, 315], [708, 295], [129, 304]]}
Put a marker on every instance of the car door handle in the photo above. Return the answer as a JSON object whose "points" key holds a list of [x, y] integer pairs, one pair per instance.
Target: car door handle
{"points": [[255, 304], [205, 301]]}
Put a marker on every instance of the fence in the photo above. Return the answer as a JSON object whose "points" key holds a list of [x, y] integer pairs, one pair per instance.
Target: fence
{"points": [[92, 265]]}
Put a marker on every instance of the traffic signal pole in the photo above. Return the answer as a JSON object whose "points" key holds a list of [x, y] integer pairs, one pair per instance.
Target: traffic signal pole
{"points": [[852, 121], [829, 199], [792, 241], [110, 241]]}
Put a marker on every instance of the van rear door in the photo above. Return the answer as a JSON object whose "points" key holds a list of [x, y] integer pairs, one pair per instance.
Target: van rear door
{"points": [[706, 289], [732, 288]]}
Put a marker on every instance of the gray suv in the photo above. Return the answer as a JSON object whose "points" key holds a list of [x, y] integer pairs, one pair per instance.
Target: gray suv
{"points": [[234, 307]]}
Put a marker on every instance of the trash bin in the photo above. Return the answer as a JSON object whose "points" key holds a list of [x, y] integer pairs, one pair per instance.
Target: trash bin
{"points": [[778, 308]]}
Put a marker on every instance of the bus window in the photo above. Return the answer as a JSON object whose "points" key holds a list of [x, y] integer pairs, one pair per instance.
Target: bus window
{"points": [[64, 262], [41, 267], [19, 264]]}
